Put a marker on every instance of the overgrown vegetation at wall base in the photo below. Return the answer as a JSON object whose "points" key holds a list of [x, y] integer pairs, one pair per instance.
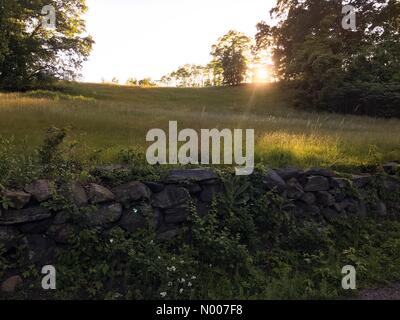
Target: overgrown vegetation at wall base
{"points": [[133, 232]]}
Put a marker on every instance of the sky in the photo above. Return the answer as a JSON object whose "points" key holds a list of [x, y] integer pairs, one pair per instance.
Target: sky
{"points": [[150, 38]]}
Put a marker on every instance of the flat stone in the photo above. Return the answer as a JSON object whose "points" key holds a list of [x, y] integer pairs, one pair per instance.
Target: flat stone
{"points": [[319, 172], [171, 196], [273, 181], [11, 284], [99, 194], [154, 186], [360, 181], [130, 192], [289, 173], [39, 189], [105, 215], [17, 199], [316, 183], [391, 168], [11, 217], [35, 227], [195, 175]]}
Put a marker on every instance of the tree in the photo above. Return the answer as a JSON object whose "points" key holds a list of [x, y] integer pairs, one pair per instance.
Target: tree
{"points": [[230, 55], [330, 64], [33, 54], [131, 82], [146, 82]]}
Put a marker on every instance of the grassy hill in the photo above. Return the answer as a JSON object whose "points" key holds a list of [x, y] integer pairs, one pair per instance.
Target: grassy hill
{"points": [[108, 118]]}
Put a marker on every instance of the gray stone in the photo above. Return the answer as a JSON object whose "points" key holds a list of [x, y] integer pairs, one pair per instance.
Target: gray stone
{"points": [[391, 168], [62, 233], [78, 193], [131, 192], [193, 188], [289, 173], [308, 198], [35, 227], [139, 218], [17, 199], [392, 184], [11, 217], [360, 181], [325, 198], [294, 189], [40, 190], [274, 182], [380, 209], [99, 194], [195, 175], [339, 183], [210, 192], [8, 236], [105, 215], [319, 172], [41, 249], [316, 183], [154, 186], [177, 215], [171, 196], [11, 284], [61, 217]]}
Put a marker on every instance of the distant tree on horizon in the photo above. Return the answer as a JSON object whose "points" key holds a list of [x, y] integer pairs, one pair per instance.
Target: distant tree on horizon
{"points": [[230, 57]]}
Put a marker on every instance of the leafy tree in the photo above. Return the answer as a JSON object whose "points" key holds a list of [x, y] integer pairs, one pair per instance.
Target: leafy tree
{"points": [[331, 65], [31, 54], [230, 54]]}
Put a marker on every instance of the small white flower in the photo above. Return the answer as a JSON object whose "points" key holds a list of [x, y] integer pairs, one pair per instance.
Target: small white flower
{"points": [[159, 258], [170, 284], [183, 280], [163, 294], [111, 240], [180, 290], [189, 284], [193, 277]]}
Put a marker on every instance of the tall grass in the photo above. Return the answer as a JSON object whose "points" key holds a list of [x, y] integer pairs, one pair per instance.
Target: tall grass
{"points": [[108, 118]]}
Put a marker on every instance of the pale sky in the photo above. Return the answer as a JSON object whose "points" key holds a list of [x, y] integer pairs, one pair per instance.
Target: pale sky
{"points": [[150, 38]]}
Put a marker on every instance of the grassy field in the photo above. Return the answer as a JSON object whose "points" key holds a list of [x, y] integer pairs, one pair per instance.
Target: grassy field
{"points": [[108, 118]]}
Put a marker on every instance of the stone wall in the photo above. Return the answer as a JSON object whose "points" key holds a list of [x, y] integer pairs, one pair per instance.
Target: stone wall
{"points": [[41, 216]]}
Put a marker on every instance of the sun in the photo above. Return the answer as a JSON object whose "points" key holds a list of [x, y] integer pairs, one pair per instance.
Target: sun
{"points": [[262, 74]]}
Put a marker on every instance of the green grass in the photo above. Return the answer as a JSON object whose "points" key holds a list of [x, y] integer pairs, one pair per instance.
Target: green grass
{"points": [[109, 118]]}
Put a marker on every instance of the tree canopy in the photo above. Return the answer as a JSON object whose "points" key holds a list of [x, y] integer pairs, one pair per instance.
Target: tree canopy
{"points": [[230, 55], [31, 53], [338, 69]]}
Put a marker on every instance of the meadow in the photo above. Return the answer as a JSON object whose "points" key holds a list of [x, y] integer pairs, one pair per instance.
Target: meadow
{"points": [[103, 119]]}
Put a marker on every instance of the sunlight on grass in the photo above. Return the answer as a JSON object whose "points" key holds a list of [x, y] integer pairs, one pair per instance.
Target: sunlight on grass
{"points": [[109, 118]]}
